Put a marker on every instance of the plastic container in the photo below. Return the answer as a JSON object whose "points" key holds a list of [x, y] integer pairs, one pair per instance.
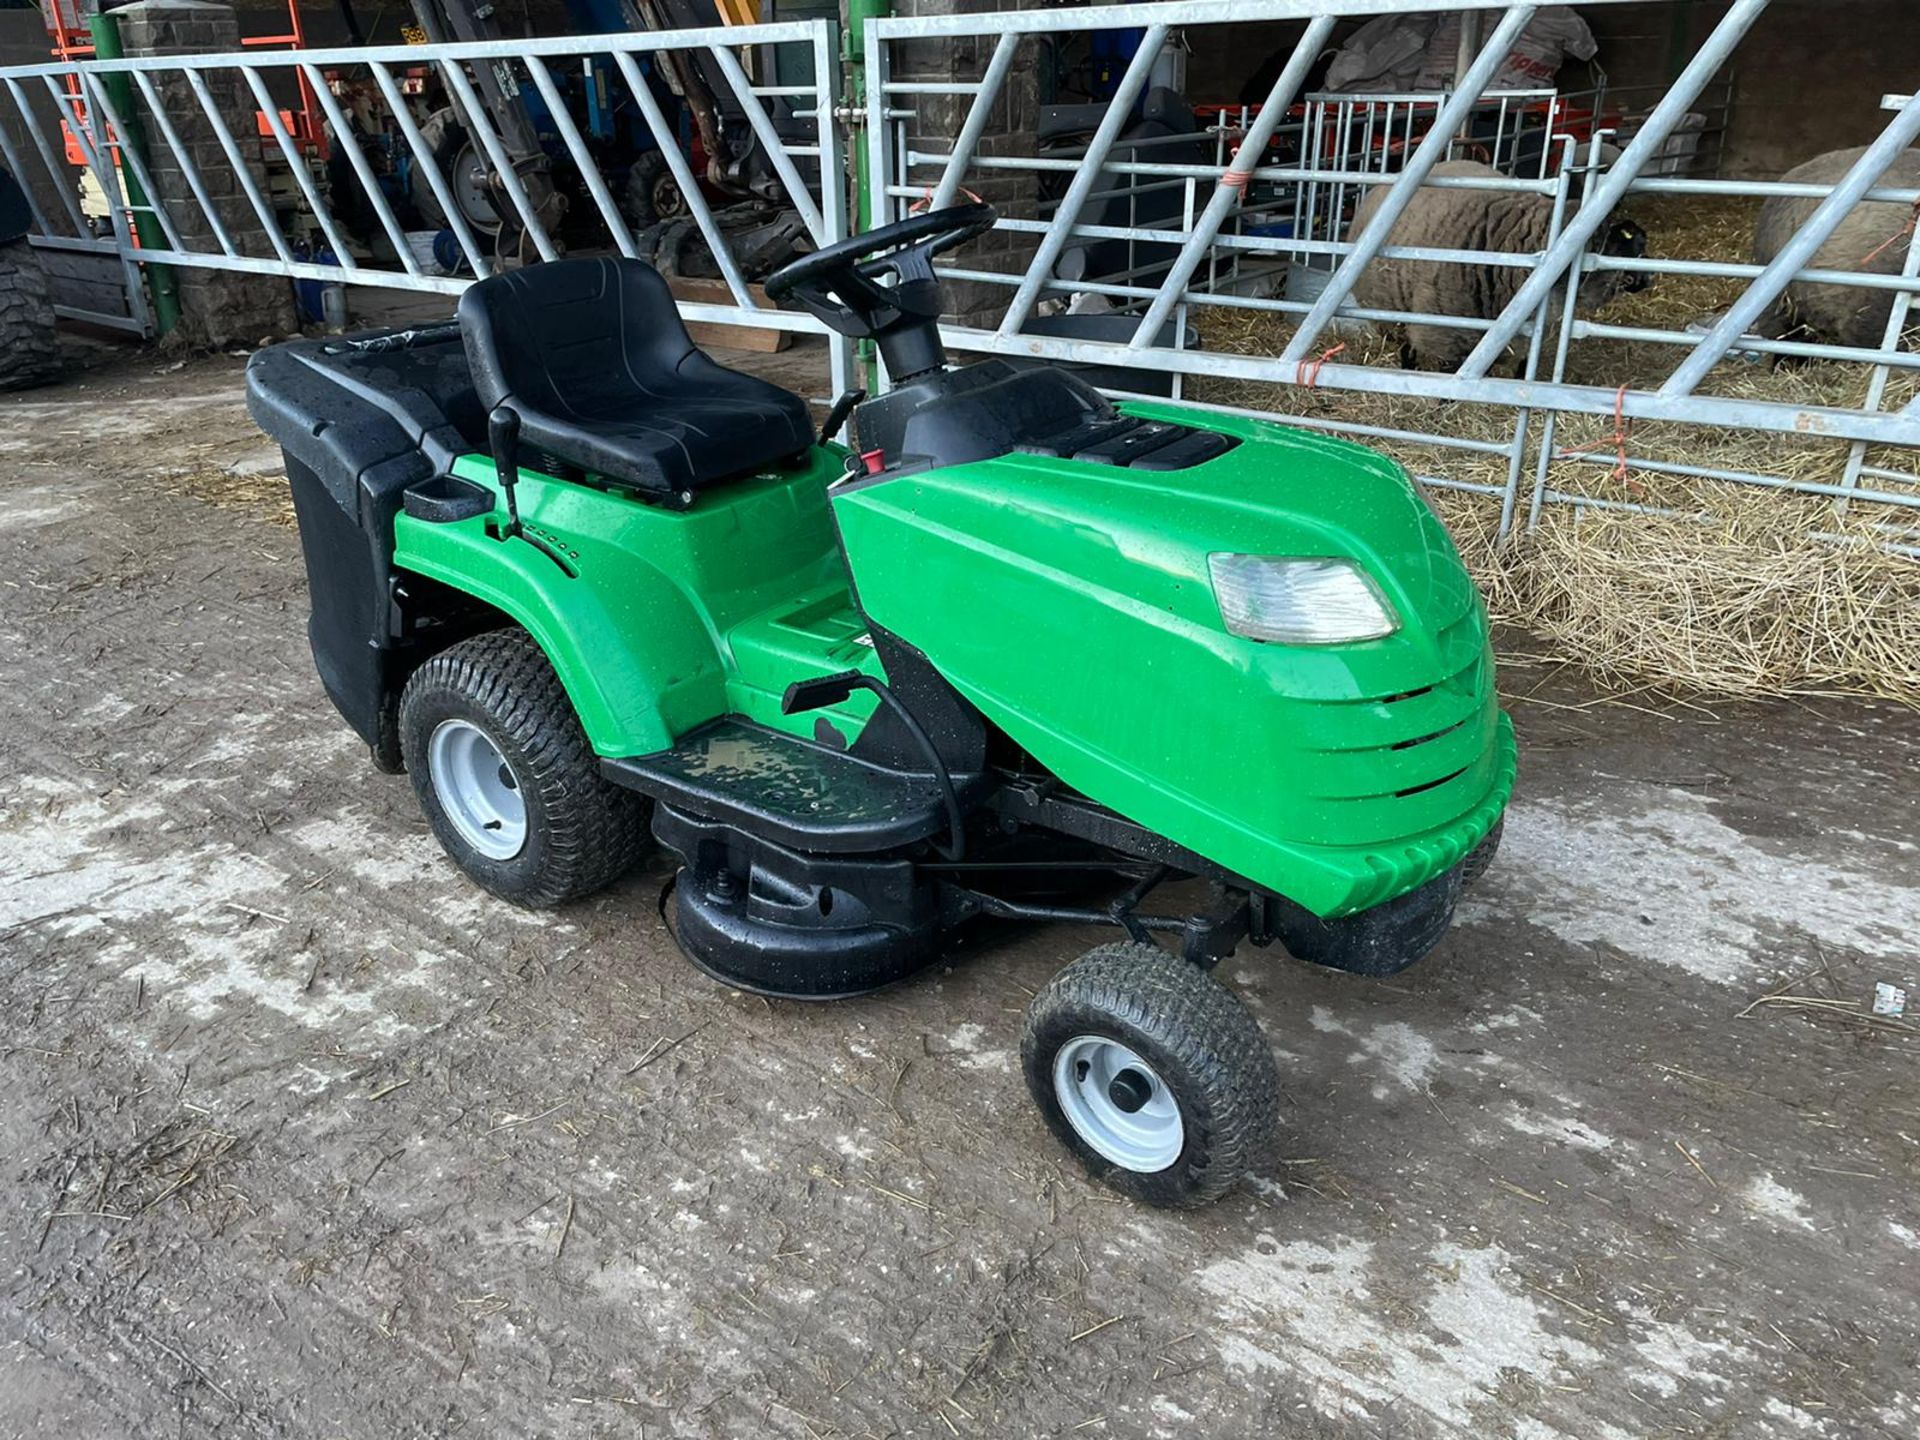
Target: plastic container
{"points": [[423, 245]]}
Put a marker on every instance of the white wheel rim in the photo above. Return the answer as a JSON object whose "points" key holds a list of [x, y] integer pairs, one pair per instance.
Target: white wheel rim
{"points": [[477, 789], [1117, 1104], [469, 177]]}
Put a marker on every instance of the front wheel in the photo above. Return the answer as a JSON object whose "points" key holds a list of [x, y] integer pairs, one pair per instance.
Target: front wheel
{"points": [[507, 779], [1150, 1071], [1480, 859]]}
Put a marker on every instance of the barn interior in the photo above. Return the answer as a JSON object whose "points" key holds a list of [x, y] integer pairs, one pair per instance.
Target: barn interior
{"points": [[1716, 555]]}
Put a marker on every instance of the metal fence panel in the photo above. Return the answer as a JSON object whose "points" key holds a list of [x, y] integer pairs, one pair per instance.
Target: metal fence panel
{"points": [[1330, 140], [1218, 224], [346, 226]]}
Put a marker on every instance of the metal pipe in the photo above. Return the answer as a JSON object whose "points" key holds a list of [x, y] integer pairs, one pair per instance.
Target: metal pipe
{"points": [[1111, 123], [1224, 302], [975, 125], [93, 146], [1749, 477], [797, 193], [1564, 339], [470, 245], [1191, 12], [1897, 316], [1901, 429], [242, 172], [184, 157], [668, 139], [1252, 146], [482, 51], [115, 93], [1432, 147], [142, 198], [343, 136], [270, 112], [582, 157], [57, 171], [1607, 192], [833, 189], [1177, 170], [467, 101], [1523, 418], [1800, 349], [1812, 234]]}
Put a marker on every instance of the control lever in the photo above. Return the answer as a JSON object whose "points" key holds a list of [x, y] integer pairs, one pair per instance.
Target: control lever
{"points": [[503, 437], [837, 416]]}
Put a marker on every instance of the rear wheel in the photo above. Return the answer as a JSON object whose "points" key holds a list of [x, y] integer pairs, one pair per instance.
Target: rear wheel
{"points": [[507, 779], [28, 353], [1150, 1071]]}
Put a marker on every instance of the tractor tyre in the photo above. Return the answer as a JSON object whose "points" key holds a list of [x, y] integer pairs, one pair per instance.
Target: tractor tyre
{"points": [[458, 158], [507, 779], [1153, 1074], [651, 194], [29, 354], [1481, 856]]}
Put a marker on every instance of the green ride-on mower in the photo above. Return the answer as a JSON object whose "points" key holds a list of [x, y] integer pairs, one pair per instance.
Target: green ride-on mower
{"points": [[1020, 654]]}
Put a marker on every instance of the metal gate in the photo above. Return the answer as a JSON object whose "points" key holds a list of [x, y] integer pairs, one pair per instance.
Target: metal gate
{"points": [[1220, 222], [181, 182], [1584, 184]]}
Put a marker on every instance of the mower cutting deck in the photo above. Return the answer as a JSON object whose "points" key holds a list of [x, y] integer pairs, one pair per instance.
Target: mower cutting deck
{"points": [[1023, 655]]}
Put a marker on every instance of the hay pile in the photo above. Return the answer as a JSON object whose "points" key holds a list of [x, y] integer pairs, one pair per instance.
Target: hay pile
{"points": [[1761, 595], [1746, 592], [264, 493]]}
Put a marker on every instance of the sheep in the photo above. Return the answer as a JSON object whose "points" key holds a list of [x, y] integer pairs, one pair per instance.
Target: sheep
{"points": [[1873, 237], [1494, 220]]}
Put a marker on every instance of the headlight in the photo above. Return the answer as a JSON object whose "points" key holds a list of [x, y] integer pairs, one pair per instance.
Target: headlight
{"points": [[1299, 601]]}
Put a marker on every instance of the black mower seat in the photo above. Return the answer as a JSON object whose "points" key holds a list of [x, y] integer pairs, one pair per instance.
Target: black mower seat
{"points": [[593, 357]]}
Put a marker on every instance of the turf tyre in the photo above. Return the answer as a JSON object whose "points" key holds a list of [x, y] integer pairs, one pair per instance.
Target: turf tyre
{"points": [[1198, 1040], [582, 832], [1480, 858]]}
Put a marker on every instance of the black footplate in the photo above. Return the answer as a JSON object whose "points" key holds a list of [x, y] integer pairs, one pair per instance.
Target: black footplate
{"points": [[1135, 444], [787, 790]]}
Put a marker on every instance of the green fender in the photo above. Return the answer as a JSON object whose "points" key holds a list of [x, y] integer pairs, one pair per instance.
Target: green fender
{"points": [[638, 631]]}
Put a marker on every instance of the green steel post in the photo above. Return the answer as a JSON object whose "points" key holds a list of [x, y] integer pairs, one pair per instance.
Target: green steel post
{"points": [[107, 46], [858, 13]]}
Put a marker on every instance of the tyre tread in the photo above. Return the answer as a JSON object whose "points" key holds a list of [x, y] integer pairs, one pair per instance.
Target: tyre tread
{"points": [[600, 830], [1160, 995]]}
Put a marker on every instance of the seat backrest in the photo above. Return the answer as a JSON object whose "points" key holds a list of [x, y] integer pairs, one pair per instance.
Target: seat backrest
{"points": [[573, 337]]}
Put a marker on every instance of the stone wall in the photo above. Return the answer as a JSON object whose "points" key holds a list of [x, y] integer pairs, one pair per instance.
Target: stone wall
{"points": [[1010, 131], [217, 307]]}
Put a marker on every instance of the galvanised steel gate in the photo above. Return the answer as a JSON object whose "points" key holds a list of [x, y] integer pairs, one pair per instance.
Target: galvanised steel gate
{"points": [[1307, 156], [1585, 186], [356, 234]]}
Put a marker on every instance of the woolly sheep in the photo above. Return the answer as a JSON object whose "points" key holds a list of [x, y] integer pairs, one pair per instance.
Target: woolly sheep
{"points": [[1489, 220], [1873, 237]]}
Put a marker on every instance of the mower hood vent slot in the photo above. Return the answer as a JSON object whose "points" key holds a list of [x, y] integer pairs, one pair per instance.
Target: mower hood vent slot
{"points": [[1430, 784]]}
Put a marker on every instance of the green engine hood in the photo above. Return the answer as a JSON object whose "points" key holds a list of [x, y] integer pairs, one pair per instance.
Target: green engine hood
{"points": [[1071, 602]]}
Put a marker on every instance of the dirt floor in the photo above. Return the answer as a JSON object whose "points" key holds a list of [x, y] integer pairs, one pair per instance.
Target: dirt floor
{"points": [[302, 1135]]}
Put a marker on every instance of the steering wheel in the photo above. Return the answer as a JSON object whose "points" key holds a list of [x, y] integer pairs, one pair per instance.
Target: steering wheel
{"points": [[841, 285]]}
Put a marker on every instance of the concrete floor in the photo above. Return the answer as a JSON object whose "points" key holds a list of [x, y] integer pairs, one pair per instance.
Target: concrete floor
{"points": [[301, 1135]]}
